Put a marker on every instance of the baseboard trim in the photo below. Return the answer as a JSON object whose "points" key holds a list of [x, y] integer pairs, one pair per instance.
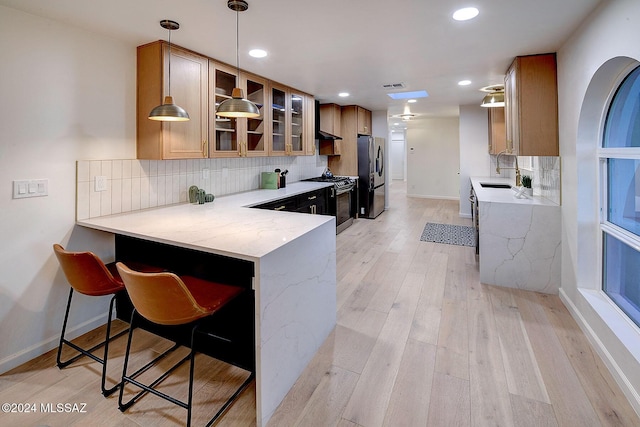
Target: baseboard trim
{"points": [[38, 349], [618, 374]]}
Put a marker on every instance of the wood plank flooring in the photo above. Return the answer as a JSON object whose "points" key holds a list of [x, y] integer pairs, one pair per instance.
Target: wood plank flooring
{"points": [[419, 342]]}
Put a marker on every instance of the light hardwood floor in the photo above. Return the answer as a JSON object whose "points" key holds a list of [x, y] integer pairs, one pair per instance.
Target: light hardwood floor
{"points": [[419, 342]]}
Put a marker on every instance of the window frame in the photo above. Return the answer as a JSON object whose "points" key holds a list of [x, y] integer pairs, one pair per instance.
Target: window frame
{"points": [[604, 226]]}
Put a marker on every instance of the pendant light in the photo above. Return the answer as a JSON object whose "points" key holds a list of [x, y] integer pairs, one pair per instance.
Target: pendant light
{"points": [[494, 96], [237, 105], [168, 111]]}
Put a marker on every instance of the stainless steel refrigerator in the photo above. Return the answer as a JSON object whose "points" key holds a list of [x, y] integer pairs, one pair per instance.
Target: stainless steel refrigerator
{"points": [[371, 176]]}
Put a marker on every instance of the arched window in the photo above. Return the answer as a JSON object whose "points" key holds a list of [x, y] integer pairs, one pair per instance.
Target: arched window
{"points": [[620, 204]]}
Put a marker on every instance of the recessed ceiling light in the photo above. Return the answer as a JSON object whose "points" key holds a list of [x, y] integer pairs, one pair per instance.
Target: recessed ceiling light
{"points": [[465, 14], [343, 94], [396, 124], [411, 101], [464, 82], [258, 53], [408, 95]]}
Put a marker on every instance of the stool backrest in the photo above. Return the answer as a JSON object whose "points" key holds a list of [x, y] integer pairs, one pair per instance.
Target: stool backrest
{"points": [[86, 273], [162, 298]]}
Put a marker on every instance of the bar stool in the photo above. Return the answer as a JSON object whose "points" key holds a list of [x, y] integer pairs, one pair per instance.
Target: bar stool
{"points": [[87, 274], [168, 300]]}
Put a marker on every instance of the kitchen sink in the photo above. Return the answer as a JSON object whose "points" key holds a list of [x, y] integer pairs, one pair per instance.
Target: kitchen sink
{"points": [[494, 185]]}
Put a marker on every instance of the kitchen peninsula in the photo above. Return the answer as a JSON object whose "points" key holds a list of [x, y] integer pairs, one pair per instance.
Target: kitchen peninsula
{"points": [[291, 258], [519, 238]]}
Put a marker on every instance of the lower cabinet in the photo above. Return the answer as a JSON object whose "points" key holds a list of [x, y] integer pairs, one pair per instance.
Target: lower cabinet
{"points": [[313, 202]]}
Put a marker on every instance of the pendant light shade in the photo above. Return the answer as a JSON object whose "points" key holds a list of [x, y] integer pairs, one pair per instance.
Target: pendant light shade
{"points": [[168, 111], [493, 100], [237, 105], [494, 96]]}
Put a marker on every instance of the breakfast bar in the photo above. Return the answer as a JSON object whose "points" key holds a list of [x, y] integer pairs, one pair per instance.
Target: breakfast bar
{"points": [[288, 261]]}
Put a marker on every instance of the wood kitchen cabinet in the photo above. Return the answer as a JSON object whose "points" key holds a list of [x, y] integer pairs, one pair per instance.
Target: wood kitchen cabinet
{"points": [[291, 113], [236, 137], [199, 84], [531, 106], [253, 132], [351, 126], [189, 88], [497, 134], [223, 130], [330, 122], [364, 121]]}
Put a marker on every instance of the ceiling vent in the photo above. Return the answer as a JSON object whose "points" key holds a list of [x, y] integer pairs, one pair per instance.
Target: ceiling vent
{"points": [[394, 86]]}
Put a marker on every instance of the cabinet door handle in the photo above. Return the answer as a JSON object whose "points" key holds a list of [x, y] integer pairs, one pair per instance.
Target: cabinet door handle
{"points": [[280, 208], [312, 197], [204, 146]]}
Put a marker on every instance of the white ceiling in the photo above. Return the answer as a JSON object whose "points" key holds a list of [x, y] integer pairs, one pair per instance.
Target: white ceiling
{"points": [[328, 46]]}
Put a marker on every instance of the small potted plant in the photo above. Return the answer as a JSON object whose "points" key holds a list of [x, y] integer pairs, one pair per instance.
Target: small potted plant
{"points": [[526, 183]]}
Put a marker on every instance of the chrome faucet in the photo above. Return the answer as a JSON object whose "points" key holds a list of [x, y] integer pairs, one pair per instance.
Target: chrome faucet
{"points": [[518, 182]]}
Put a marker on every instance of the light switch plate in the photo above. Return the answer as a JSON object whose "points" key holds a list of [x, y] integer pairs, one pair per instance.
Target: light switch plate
{"points": [[30, 188]]}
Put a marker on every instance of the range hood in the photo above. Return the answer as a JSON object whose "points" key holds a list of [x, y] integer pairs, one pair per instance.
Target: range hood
{"points": [[321, 135]]}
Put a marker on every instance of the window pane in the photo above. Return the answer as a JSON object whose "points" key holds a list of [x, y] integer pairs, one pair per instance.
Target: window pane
{"points": [[621, 276], [624, 193], [622, 128]]}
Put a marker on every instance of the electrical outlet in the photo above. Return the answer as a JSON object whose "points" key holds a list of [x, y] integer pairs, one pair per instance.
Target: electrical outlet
{"points": [[100, 183], [205, 173]]}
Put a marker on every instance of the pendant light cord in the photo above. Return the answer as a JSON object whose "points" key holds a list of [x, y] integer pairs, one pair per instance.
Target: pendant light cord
{"points": [[169, 86], [237, 46]]}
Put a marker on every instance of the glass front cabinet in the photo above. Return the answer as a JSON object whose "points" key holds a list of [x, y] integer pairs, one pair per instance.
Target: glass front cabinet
{"points": [[223, 131], [254, 138], [291, 122]]}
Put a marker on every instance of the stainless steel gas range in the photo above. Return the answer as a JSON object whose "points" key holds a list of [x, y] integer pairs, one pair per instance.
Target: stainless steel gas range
{"points": [[346, 202]]}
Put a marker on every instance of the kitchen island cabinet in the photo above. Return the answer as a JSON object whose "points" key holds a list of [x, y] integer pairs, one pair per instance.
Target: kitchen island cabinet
{"points": [[290, 256], [519, 244]]}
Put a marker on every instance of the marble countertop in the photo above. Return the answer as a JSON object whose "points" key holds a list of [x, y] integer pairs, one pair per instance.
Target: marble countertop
{"points": [[226, 226], [504, 195]]}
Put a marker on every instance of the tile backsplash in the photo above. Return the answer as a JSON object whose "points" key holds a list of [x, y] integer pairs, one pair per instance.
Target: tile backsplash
{"points": [[140, 184], [544, 172]]}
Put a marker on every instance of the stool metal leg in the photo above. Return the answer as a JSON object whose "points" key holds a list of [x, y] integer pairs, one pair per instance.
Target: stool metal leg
{"points": [[89, 352], [150, 387]]}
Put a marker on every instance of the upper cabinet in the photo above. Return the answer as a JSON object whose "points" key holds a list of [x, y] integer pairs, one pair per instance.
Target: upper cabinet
{"points": [[497, 134], [291, 114], [364, 121], [189, 88], [531, 106], [354, 121], [253, 132], [330, 122], [224, 130], [199, 84], [280, 119]]}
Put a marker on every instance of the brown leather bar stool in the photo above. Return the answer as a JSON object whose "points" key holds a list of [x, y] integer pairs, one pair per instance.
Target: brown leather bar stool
{"points": [[169, 300], [87, 274]]}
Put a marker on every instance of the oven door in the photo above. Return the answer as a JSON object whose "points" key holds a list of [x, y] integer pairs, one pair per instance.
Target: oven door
{"points": [[343, 210]]}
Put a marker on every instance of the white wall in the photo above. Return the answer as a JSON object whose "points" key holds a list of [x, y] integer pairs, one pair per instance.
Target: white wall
{"points": [[398, 155], [433, 153], [611, 32], [67, 94], [474, 154]]}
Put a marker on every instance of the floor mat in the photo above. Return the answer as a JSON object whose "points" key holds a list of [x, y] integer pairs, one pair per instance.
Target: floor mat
{"points": [[461, 235]]}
